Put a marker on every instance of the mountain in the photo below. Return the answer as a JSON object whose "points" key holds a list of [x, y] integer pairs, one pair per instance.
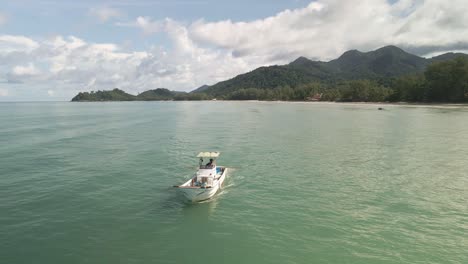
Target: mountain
{"points": [[263, 78], [381, 64], [114, 95], [448, 56], [389, 61], [160, 94], [201, 89], [298, 80]]}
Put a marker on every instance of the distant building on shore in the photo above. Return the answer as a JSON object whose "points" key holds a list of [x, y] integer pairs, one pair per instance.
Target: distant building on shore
{"points": [[315, 98]]}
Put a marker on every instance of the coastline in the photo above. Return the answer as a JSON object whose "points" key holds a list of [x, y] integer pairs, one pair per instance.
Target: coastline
{"points": [[377, 104], [344, 103], [403, 104]]}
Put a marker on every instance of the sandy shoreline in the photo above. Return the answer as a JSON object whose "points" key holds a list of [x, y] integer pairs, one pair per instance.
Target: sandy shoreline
{"points": [[376, 104], [373, 104]]}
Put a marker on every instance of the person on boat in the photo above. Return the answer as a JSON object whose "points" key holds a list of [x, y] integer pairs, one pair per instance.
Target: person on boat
{"points": [[210, 164]]}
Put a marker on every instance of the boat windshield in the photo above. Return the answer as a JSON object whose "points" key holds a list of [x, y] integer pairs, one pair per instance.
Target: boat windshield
{"points": [[210, 165]]}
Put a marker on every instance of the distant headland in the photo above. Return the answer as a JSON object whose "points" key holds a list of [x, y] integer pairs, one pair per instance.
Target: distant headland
{"points": [[388, 74]]}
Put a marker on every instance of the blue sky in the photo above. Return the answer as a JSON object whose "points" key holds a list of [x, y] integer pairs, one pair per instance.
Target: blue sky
{"points": [[51, 49], [56, 17]]}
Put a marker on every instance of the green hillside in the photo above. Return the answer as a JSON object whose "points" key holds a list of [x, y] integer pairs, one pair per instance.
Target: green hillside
{"points": [[386, 74], [160, 94], [114, 95], [386, 62]]}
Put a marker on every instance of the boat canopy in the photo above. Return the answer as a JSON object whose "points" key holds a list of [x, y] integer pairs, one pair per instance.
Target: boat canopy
{"points": [[208, 155]]}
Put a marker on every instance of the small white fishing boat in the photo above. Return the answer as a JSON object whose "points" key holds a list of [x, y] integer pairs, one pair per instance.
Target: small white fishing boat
{"points": [[207, 180]]}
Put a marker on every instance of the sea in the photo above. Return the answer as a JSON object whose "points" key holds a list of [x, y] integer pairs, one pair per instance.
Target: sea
{"points": [[308, 183]]}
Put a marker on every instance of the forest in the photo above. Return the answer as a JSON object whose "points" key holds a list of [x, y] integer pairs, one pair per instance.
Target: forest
{"points": [[440, 82]]}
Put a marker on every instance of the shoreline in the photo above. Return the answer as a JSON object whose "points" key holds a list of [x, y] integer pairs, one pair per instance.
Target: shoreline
{"points": [[351, 103], [402, 104], [386, 104], [378, 104]]}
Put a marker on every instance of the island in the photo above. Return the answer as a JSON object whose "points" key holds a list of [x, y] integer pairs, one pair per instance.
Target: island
{"points": [[160, 94], [388, 74]]}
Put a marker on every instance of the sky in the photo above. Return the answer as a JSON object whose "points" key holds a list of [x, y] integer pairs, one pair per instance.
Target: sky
{"points": [[52, 49]]}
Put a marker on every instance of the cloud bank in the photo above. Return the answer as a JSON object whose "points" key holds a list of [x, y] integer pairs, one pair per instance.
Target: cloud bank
{"points": [[205, 52], [324, 29]]}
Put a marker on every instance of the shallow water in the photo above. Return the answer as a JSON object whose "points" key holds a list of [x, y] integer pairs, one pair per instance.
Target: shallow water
{"points": [[310, 183]]}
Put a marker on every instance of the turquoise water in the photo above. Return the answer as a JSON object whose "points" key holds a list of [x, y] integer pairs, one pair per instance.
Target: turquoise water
{"points": [[311, 183]]}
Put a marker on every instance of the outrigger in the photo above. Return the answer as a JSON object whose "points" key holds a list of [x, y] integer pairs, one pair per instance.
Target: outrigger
{"points": [[207, 180]]}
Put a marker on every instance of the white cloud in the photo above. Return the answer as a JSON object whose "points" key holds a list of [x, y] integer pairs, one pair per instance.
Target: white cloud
{"points": [[105, 14], [22, 73], [29, 69], [326, 28], [51, 92], [187, 65], [69, 62], [3, 92], [146, 24], [11, 43]]}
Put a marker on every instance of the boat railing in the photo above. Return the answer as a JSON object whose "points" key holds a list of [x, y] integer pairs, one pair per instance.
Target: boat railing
{"points": [[207, 167]]}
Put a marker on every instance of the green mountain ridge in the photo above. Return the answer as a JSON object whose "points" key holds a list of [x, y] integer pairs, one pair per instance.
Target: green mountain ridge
{"points": [[448, 56], [201, 88], [386, 62], [159, 94], [114, 95], [379, 67]]}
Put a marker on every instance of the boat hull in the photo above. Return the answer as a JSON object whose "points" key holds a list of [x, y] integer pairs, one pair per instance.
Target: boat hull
{"points": [[197, 194]]}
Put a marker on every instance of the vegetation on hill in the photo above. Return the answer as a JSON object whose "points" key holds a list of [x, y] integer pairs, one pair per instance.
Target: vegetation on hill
{"points": [[387, 74], [379, 65], [445, 82], [386, 62], [201, 88], [114, 95], [160, 94]]}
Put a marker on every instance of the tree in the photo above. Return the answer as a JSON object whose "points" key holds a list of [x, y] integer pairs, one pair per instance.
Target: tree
{"points": [[447, 81], [410, 88]]}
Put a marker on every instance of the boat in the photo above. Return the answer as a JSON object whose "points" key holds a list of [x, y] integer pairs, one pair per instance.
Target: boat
{"points": [[207, 181]]}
